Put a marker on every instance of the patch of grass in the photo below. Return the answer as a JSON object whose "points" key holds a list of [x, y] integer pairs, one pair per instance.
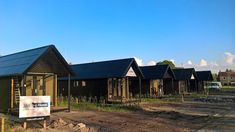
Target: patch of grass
{"points": [[228, 87], [100, 107]]}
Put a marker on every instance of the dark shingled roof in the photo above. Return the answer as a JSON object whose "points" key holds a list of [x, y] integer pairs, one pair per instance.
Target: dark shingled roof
{"points": [[19, 63], [184, 74], [204, 75], [105, 69], [156, 72]]}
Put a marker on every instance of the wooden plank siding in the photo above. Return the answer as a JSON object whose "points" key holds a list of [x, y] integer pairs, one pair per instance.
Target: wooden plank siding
{"points": [[5, 94], [109, 89]]}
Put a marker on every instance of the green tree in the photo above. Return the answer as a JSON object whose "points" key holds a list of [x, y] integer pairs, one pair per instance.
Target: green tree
{"points": [[214, 76], [170, 63]]}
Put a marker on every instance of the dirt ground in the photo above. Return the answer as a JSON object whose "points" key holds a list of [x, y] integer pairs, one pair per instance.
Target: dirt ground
{"points": [[215, 113]]}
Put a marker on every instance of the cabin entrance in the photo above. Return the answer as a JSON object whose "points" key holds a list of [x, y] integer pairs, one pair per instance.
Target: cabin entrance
{"points": [[118, 88], [168, 86], [33, 85]]}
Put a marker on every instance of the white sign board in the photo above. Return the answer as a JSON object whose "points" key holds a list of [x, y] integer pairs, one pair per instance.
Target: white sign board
{"points": [[131, 73], [34, 106]]}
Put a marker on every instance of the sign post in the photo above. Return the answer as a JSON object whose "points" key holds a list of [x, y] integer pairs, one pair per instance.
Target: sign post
{"points": [[2, 124], [33, 108]]}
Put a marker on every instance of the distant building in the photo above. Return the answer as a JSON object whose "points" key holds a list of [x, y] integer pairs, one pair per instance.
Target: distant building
{"points": [[227, 78], [204, 78], [159, 80], [185, 80]]}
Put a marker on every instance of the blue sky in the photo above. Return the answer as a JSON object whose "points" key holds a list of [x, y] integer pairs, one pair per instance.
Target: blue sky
{"points": [[94, 30]]}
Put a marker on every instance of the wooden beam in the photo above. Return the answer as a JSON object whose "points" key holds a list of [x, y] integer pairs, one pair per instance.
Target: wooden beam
{"points": [[55, 90], [127, 88], [113, 88], [12, 93], [25, 125], [44, 123], [69, 105], [108, 89], [2, 124], [140, 88]]}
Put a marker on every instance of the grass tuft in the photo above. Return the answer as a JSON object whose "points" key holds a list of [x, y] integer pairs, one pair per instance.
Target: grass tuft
{"points": [[84, 105]]}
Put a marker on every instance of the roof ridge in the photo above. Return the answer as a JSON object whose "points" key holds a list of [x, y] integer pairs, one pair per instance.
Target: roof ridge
{"points": [[102, 61], [155, 65], [26, 50]]}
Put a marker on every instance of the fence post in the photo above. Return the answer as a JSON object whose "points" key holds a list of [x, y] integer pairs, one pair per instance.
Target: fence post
{"points": [[2, 126]]}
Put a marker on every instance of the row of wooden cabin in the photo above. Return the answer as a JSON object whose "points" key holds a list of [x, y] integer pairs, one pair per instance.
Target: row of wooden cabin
{"points": [[44, 72]]}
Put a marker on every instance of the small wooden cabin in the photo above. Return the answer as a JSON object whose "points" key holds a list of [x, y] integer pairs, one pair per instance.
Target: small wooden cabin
{"points": [[185, 80], [108, 80], [30, 73], [158, 80], [204, 77]]}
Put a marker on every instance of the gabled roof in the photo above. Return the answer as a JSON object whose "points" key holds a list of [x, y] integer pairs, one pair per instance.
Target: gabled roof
{"points": [[157, 71], [184, 74], [105, 69], [204, 75], [19, 63]]}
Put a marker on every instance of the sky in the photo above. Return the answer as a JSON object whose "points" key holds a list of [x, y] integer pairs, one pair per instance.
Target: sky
{"points": [[191, 33]]}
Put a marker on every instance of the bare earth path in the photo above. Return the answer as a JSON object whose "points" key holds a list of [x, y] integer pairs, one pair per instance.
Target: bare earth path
{"points": [[188, 116]]}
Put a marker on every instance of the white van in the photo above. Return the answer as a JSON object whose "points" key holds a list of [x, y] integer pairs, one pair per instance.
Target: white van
{"points": [[215, 85]]}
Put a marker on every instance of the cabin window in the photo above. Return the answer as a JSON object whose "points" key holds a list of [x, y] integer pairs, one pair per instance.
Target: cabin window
{"points": [[75, 83], [83, 83]]}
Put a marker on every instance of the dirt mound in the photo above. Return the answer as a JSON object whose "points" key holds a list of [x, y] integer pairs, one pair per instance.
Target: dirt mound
{"points": [[61, 124], [58, 125]]}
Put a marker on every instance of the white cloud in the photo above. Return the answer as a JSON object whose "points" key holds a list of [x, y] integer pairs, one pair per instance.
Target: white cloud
{"points": [[229, 57], [225, 61], [203, 63], [189, 62], [139, 61], [151, 63], [173, 61]]}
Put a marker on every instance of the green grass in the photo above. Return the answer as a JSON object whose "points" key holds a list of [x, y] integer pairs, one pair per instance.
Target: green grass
{"points": [[83, 106], [228, 86]]}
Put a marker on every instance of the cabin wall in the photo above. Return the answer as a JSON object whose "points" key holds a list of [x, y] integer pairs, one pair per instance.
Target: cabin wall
{"points": [[119, 88], [5, 94], [62, 88], [36, 88], [168, 86], [29, 85], [193, 85], [200, 86], [49, 86], [84, 88], [145, 87], [154, 87], [180, 87]]}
